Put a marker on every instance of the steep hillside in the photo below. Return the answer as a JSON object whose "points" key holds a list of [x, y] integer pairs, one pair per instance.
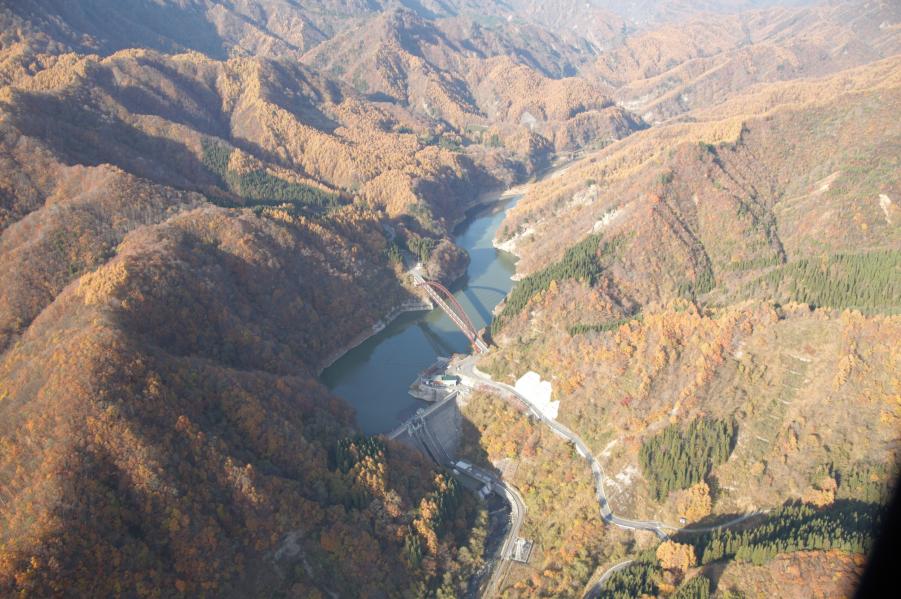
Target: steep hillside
{"points": [[152, 116], [203, 202], [184, 241], [676, 68], [484, 88], [162, 432], [570, 539], [787, 377], [732, 194], [290, 27], [715, 302], [834, 574], [94, 148], [212, 27]]}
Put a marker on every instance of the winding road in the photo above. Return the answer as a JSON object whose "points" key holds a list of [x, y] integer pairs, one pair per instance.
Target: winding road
{"points": [[467, 369], [471, 376], [595, 590], [418, 427], [517, 515]]}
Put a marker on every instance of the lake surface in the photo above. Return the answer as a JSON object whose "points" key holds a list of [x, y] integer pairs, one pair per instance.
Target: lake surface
{"points": [[375, 376]]}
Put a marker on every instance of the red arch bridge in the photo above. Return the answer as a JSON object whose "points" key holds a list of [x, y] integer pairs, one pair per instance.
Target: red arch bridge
{"points": [[447, 302]]}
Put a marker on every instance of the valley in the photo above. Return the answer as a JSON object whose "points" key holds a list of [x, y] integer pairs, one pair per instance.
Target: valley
{"points": [[381, 368], [675, 224]]}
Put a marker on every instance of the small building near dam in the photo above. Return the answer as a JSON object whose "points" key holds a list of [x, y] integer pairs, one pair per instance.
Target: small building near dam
{"points": [[444, 380]]}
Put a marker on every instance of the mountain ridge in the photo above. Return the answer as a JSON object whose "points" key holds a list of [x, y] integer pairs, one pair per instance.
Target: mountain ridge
{"points": [[201, 202]]}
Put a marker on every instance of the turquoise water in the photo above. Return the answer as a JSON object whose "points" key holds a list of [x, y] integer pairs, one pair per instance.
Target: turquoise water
{"points": [[375, 376]]}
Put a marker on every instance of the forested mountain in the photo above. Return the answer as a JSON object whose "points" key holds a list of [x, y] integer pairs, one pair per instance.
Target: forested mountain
{"points": [[203, 202], [186, 239], [289, 27], [706, 59], [715, 301], [161, 430], [480, 81]]}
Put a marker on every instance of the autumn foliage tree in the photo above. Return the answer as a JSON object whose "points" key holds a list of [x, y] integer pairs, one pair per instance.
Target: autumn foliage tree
{"points": [[695, 503], [676, 556]]}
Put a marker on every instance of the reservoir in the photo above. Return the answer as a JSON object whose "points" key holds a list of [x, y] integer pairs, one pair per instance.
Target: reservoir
{"points": [[375, 376]]}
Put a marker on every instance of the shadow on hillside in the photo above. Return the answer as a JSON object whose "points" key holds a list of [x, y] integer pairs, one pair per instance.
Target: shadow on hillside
{"points": [[150, 97], [717, 520], [381, 97], [90, 135], [85, 135], [844, 525], [461, 440], [714, 572], [419, 9], [471, 448], [113, 25], [459, 437], [295, 90]]}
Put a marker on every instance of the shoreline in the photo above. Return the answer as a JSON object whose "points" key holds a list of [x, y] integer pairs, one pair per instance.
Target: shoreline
{"points": [[485, 198], [509, 245], [499, 194], [376, 328]]}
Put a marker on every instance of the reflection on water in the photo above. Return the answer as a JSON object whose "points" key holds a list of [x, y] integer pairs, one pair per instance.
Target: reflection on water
{"points": [[374, 377]]}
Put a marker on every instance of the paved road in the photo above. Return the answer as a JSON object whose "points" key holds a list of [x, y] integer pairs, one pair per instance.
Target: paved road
{"points": [[595, 590], [418, 427], [467, 368], [517, 515], [721, 526]]}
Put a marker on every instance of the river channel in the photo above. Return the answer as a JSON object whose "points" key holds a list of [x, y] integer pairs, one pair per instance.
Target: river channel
{"points": [[374, 376]]}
